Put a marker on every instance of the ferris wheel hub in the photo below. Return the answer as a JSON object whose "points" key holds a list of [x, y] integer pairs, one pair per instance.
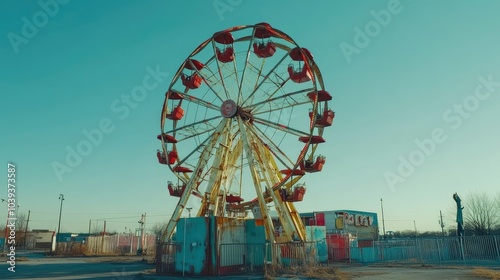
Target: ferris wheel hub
{"points": [[228, 108]]}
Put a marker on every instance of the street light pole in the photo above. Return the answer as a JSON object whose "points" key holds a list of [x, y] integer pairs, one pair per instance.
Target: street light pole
{"points": [[6, 233], [383, 221], [26, 231], [61, 197]]}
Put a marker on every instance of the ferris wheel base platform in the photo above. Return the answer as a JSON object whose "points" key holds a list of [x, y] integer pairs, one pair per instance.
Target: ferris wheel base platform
{"points": [[208, 246]]}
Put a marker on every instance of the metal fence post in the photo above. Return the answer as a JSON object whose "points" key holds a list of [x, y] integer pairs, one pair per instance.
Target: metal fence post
{"points": [[496, 247], [439, 251], [461, 239]]}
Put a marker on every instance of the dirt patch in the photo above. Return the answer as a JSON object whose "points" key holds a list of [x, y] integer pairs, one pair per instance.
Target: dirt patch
{"points": [[486, 273], [118, 259], [320, 272]]}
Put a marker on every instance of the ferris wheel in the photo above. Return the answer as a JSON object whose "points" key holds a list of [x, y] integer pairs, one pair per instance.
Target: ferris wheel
{"points": [[241, 124]]}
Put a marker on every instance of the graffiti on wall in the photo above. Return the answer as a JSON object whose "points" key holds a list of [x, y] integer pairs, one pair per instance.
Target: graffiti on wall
{"points": [[358, 220]]}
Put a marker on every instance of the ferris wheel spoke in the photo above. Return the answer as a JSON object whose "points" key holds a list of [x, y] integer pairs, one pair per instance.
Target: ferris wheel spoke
{"points": [[189, 136], [211, 85], [263, 80], [240, 99], [217, 131], [281, 127], [273, 147], [192, 125], [198, 101], [277, 98], [208, 82], [192, 152], [256, 112], [219, 70]]}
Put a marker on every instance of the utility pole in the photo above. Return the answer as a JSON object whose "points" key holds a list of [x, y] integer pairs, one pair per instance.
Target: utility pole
{"points": [[141, 240], [415, 226], [189, 211], [26, 231], [6, 233], [103, 233], [61, 197], [90, 224], [383, 221], [441, 222], [17, 213]]}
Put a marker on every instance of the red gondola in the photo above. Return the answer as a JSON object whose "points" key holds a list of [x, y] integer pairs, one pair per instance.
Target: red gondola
{"points": [[172, 95], [182, 169], [301, 75], [296, 172], [264, 50], [192, 64], [167, 138], [225, 38], [322, 95], [176, 114], [193, 81], [296, 54], [225, 56], [233, 199], [172, 157], [309, 166], [262, 31], [297, 194], [323, 120], [161, 157], [315, 139], [176, 190], [260, 49]]}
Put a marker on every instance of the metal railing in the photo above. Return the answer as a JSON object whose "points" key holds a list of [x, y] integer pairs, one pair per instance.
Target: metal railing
{"points": [[465, 250], [248, 258], [165, 258], [240, 258]]}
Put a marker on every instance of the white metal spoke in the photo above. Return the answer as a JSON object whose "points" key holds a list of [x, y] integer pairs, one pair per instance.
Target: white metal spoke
{"points": [[281, 127]]}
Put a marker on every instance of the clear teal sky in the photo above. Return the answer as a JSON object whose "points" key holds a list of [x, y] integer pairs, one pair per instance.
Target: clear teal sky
{"points": [[65, 67]]}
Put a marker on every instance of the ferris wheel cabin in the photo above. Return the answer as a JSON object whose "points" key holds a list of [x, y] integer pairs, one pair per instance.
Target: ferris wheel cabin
{"points": [[260, 48], [194, 80], [175, 190], [227, 53], [293, 196], [302, 73]]}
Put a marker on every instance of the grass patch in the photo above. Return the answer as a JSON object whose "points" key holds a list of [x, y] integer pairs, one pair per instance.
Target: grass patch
{"points": [[486, 273]]}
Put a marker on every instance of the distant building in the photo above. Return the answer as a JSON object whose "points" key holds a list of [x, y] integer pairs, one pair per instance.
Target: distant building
{"points": [[72, 237], [361, 225], [40, 239]]}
